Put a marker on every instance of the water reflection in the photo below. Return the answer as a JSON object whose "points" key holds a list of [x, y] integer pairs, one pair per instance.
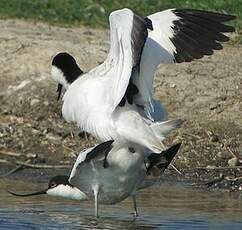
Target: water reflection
{"points": [[168, 206]]}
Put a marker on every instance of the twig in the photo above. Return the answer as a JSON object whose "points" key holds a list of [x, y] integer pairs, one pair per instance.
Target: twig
{"points": [[233, 179], [12, 171], [12, 154], [72, 135], [232, 153], [192, 135], [19, 48], [19, 167], [67, 148], [220, 168], [72, 152], [194, 151], [5, 162], [177, 170], [37, 166], [42, 166]]}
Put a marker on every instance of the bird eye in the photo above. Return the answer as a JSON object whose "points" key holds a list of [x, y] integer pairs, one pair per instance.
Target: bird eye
{"points": [[132, 150], [52, 185]]}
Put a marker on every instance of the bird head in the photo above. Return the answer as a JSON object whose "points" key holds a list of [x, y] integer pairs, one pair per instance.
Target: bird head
{"points": [[58, 186], [64, 71]]}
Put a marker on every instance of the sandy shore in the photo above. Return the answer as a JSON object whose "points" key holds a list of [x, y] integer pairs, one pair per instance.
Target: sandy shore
{"points": [[205, 93]]}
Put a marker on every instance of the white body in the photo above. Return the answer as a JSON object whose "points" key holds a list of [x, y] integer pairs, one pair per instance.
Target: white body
{"points": [[92, 100], [67, 192], [92, 112]]}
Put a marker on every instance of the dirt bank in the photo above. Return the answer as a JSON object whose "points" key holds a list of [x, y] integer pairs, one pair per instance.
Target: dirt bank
{"points": [[207, 93]]}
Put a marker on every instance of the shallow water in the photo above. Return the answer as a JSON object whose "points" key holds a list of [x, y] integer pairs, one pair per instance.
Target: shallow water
{"points": [[161, 207]]}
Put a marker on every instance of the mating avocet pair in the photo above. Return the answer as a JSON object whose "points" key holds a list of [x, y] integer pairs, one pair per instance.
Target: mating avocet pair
{"points": [[114, 101]]}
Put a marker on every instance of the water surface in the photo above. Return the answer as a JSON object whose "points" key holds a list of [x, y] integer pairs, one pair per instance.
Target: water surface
{"points": [[170, 206]]}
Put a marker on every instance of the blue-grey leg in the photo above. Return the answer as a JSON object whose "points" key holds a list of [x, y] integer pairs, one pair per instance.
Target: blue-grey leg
{"points": [[135, 206], [96, 190]]}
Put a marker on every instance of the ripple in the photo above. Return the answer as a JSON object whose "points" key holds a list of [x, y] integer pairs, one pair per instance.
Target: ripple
{"points": [[168, 207]]}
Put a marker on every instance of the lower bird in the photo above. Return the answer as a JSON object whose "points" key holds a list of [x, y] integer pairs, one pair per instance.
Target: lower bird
{"points": [[108, 173]]}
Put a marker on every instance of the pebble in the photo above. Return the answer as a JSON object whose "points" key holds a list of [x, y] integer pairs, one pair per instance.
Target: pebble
{"points": [[52, 137], [44, 130], [223, 97], [34, 102], [211, 166], [173, 85], [46, 103], [35, 131], [31, 155], [214, 138], [213, 106], [233, 162]]}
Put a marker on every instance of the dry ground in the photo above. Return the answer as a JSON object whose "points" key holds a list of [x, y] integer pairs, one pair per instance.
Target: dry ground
{"points": [[207, 93]]}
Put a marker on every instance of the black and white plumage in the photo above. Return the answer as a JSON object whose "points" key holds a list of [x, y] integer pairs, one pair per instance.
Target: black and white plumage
{"points": [[178, 35], [108, 173], [65, 65], [115, 99]]}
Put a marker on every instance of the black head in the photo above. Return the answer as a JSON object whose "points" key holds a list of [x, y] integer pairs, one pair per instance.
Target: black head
{"points": [[57, 180], [68, 66], [54, 182]]}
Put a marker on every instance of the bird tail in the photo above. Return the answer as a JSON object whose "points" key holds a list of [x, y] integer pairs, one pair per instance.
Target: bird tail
{"points": [[161, 161], [157, 164], [162, 129]]}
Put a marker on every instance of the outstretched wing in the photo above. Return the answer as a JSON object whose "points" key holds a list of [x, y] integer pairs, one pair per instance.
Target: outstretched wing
{"points": [[178, 36], [128, 33]]}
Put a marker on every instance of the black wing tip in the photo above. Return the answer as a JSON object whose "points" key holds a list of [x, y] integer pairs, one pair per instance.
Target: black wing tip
{"points": [[222, 17], [107, 143], [169, 155], [138, 37], [198, 33], [171, 152], [163, 159], [104, 147]]}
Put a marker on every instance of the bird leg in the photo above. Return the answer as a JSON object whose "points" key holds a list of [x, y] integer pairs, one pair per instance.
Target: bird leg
{"points": [[135, 206], [96, 190]]}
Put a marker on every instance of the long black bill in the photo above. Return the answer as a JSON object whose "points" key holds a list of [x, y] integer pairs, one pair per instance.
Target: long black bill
{"points": [[29, 194], [59, 88]]}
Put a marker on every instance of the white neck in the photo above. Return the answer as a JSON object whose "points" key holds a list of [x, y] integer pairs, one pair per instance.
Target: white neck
{"points": [[68, 192], [59, 77]]}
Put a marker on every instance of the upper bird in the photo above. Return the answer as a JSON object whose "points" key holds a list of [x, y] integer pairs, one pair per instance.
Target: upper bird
{"points": [[114, 100]]}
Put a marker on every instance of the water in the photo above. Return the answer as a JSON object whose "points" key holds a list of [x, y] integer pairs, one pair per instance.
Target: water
{"points": [[160, 207]]}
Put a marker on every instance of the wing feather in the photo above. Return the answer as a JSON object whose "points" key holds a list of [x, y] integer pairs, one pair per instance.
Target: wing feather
{"points": [[81, 158], [128, 32], [97, 153], [178, 36]]}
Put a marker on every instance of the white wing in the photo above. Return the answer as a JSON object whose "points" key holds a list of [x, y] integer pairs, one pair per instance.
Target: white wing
{"points": [[81, 157], [127, 37], [178, 36], [98, 152]]}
